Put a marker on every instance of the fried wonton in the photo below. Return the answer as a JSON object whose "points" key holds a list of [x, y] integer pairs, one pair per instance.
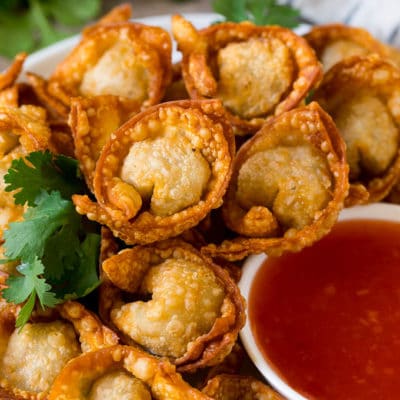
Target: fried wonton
{"points": [[32, 356], [288, 185], [237, 387], [256, 71], [8, 78], [144, 181], [184, 306], [12, 93], [362, 94], [335, 42], [130, 61], [121, 372], [92, 121]]}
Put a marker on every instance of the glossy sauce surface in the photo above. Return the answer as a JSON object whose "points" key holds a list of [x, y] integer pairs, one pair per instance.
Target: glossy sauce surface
{"points": [[328, 318]]}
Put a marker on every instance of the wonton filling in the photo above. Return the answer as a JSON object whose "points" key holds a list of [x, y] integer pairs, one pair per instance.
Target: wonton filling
{"points": [[186, 301], [293, 182], [339, 50], [168, 171], [119, 385], [118, 72], [370, 134], [36, 355], [254, 75]]}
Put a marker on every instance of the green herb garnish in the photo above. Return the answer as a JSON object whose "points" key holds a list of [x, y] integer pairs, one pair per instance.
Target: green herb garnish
{"points": [[27, 25], [43, 172], [57, 251], [260, 12]]}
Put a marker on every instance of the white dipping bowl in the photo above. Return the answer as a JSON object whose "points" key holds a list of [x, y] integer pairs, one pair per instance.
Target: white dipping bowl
{"points": [[376, 211]]}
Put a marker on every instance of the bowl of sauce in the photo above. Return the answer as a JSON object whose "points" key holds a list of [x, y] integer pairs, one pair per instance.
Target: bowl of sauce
{"points": [[324, 323]]}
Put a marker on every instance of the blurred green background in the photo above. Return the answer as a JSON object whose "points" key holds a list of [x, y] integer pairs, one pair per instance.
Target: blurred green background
{"points": [[28, 25]]}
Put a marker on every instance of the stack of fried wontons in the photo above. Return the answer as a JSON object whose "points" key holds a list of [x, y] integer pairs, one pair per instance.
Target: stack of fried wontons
{"points": [[254, 142]]}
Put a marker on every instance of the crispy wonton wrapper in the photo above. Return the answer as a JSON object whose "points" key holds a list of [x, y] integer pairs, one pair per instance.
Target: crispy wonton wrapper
{"points": [[335, 42], [120, 13], [362, 94], [288, 185], [31, 357], [144, 180], [195, 311], [130, 61], [256, 71], [121, 372], [92, 121], [8, 77], [237, 387]]}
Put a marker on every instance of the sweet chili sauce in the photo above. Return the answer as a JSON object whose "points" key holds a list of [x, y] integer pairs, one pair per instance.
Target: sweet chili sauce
{"points": [[328, 318]]}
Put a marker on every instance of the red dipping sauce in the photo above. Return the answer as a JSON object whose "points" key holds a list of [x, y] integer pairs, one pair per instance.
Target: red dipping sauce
{"points": [[328, 318]]}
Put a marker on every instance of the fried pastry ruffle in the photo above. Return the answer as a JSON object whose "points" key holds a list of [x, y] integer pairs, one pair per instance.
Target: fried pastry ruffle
{"points": [[24, 129], [18, 94], [144, 180], [31, 357], [288, 185], [256, 71], [238, 387], [195, 311], [121, 372], [9, 77], [362, 94], [92, 121], [120, 13], [130, 61], [335, 42]]}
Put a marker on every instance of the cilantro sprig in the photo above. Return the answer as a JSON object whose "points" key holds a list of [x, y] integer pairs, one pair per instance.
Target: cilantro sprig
{"points": [[260, 12], [57, 251], [27, 25], [42, 171], [30, 285]]}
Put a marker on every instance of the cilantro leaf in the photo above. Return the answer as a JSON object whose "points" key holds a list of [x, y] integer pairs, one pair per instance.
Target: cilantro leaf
{"points": [[58, 248], [260, 12], [77, 12], [42, 171], [47, 32], [83, 279], [26, 311], [67, 255], [27, 25], [20, 287], [29, 285], [26, 240], [15, 33], [10, 5], [86, 277], [234, 10]]}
